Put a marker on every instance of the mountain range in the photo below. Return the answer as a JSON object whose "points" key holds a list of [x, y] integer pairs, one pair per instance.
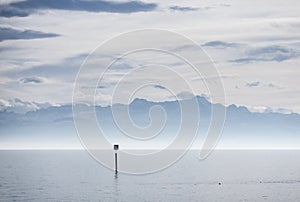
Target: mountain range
{"points": [[55, 123]]}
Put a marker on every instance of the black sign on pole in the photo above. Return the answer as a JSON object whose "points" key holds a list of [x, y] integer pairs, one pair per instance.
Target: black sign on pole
{"points": [[116, 148]]}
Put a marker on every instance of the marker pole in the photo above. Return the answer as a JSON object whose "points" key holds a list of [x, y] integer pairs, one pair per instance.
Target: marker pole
{"points": [[116, 148]]}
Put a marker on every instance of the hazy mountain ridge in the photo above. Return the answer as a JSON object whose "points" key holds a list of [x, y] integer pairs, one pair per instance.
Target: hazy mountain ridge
{"points": [[238, 119]]}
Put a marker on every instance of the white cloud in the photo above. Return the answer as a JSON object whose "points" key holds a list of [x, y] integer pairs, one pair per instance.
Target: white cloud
{"points": [[5, 2], [266, 109], [4, 104], [20, 106]]}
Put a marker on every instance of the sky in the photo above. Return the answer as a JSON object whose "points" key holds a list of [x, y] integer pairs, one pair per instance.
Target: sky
{"points": [[255, 45]]}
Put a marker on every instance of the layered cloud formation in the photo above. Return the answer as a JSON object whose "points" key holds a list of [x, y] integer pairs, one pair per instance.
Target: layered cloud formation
{"points": [[43, 44], [25, 8], [7, 33]]}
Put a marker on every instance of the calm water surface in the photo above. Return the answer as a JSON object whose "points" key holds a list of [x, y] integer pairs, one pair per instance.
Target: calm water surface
{"points": [[75, 176]]}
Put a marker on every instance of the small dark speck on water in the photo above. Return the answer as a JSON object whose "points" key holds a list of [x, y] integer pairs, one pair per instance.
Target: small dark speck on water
{"points": [[220, 183]]}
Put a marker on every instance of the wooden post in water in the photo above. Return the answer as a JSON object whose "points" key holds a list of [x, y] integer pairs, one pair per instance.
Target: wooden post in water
{"points": [[116, 148]]}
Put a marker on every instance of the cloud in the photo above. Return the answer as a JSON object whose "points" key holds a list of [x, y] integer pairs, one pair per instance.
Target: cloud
{"points": [[7, 33], [101, 87], [219, 44], [7, 11], [266, 85], [189, 8], [184, 95], [184, 47], [5, 2], [266, 109], [121, 66], [159, 87], [20, 106], [218, 76], [283, 111], [180, 8], [64, 70], [268, 53], [25, 8], [253, 84], [4, 104], [271, 85], [31, 80]]}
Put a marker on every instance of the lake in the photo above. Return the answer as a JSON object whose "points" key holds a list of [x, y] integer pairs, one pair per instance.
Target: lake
{"points": [[226, 175]]}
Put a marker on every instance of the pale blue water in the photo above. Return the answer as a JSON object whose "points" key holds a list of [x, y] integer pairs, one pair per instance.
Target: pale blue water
{"points": [[75, 176]]}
